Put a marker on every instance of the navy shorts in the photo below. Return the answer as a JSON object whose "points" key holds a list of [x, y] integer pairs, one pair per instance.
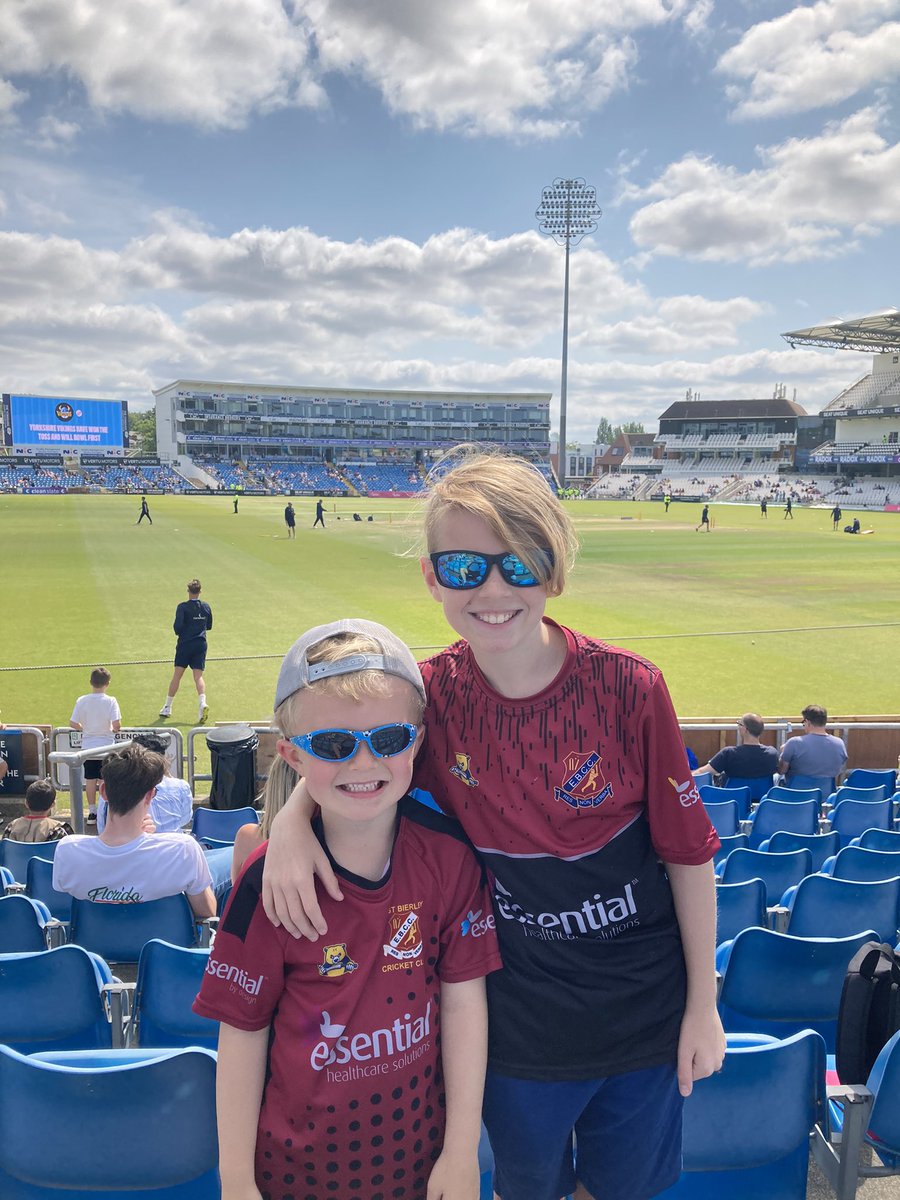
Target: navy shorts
{"points": [[193, 656], [93, 767], [627, 1135]]}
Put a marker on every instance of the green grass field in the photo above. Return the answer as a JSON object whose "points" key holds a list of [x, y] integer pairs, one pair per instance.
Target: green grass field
{"points": [[767, 615]]}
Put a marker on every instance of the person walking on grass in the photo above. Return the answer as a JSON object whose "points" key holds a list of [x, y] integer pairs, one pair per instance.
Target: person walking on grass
{"points": [[145, 511], [789, 509], [193, 617], [290, 520], [704, 519], [320, 514]]}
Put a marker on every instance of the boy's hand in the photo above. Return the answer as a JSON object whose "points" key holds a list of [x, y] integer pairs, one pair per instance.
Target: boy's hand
{"points": [[454, 1177], [293, 860], [701, 1046]]}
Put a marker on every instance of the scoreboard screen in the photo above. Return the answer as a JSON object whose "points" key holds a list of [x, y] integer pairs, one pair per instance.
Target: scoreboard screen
{"points": [[59, 422]]}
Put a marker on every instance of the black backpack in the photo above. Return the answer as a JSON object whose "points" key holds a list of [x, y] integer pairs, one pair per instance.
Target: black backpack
{"points": [[870, 1010]]}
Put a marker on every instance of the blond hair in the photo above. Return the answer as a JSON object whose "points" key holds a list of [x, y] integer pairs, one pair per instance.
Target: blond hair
{"points": [[512, 497]]}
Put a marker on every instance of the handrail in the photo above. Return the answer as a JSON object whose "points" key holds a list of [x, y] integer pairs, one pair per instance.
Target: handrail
{"points": [[75, 760]]}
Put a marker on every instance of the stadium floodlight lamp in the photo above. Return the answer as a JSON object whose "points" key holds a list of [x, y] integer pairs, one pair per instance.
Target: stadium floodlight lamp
{"points": [[568, 211]]}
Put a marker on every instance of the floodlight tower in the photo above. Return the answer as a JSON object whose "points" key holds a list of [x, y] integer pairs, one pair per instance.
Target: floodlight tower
{"points": [[568, 210]]}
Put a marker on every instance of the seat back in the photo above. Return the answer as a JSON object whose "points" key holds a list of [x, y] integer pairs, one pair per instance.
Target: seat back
{"points": [[39, 886], [865, 777], [780, 792], [880, 839], [222, 824], [820, 845], [724, 817], [21, 926], [825, 907], [867, 794], [739, 906], [52, 1001], [756, 787], [865, 866], [118, 932], [746, 1128], [721, 795], [120, 1122], [825, 783], [772, 816], [168, 981], [853, 817], [884, 1121], [738, 842], [15, 855], [777, 871], [778, 984]]}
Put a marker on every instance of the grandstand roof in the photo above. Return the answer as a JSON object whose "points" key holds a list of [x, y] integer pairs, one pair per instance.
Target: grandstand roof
{"points": [[879, 332], [732, 410]]}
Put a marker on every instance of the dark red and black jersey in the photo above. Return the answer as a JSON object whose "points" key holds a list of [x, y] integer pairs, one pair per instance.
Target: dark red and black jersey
{"points": [[575, 798], [353, 1102]]}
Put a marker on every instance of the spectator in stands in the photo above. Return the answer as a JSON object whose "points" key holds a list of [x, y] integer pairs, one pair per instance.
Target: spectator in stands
{"points": [[290, 520], [97, 716], [145, 511], [836, 516], [193, 617], [751, 759], [38, 824], [320, 514], [704, 519], [125, 865], [172, 806], [814, 753]]}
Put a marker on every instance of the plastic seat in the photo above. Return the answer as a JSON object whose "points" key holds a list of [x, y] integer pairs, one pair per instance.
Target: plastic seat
{"points": [[777, 871], [738, 842], [22, 925], [722, 795], [868, 794], [168, 981], [878, 839], [39, 886], [724, 817], [866, 777], [123, 1122], [756, 787], [15, 855], [824, 907], [52, 1000], [221, 824], [852, 818], [821, 846], [774, 816], [739, 906], [863, 866], [118, 932], [825, 783], [746, 1128], [793, 795], [778, 984], [7, 879]]}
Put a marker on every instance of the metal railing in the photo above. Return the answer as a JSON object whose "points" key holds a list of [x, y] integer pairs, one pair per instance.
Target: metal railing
{"points": [[75, 760], [59, 734]]}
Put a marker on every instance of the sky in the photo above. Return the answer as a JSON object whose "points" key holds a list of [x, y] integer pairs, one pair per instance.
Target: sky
{"points": [[343, 193]]}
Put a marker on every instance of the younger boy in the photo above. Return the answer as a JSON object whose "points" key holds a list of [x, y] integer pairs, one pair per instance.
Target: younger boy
{"points": [[97, 716], [334, 1061], [38, 825]]}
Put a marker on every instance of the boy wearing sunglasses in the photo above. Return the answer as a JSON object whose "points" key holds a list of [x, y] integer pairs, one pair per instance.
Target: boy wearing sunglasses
{"points": [[562, 758], [356, 1068]]}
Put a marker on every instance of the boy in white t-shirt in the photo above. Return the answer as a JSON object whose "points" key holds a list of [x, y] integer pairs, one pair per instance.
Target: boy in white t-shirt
{"points": [[97, 716]]}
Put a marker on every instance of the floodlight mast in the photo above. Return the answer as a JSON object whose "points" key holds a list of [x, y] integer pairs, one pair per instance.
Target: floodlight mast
{"points": [[567, 212]]}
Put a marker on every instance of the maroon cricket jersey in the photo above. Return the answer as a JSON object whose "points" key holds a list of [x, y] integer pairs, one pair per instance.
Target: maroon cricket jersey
{"points": [[574, 797], [353, 1102]]}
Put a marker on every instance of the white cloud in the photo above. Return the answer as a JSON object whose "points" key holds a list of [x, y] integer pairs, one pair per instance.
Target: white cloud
{"points": [[810, 199], [54, 132], [10, 97], [813, 56]]}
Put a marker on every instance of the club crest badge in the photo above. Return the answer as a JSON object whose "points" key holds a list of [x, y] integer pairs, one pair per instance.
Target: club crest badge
{"points": [[584, 785], [405, 937], [462, 772], [336, 961]]}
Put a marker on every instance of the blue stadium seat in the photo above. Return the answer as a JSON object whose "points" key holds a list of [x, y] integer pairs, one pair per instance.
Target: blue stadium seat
{"points": [[866, 794], [778, 984], [777, 871], [168, 981], [824, 907], [39, 886], [7, 879], [724, 817], [821, 846], [852, 818], [793, 795], [15, 855], [53, 1000], [22, 925], [826, 784], [865, 777], [746, 1129], [221, 824], [738, 842], [756, 787], [878, 839], [721, 795], [863, 866], [774, 816], [123, 1121], [118, 932], [739, 906]]}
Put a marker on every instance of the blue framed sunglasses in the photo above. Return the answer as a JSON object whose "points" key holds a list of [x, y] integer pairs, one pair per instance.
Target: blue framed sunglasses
{"points": [[462, 570], [340, 745]]}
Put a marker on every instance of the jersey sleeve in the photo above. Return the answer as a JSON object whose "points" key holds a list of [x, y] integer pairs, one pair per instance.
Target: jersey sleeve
{"points": [[244, 978], [468, 942], [178, 623], [208, 617], [76, 712], [116, 713], [719, 761], [679, 827]]}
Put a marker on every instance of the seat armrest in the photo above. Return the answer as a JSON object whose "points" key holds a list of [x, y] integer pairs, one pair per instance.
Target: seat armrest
{"points": [[207, 932], [119, 1008], [779, 915], [56, 932], [15, 889]]}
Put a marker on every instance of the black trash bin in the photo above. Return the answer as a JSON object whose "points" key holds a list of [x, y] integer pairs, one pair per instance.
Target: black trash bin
{"points": [[232, 750]]}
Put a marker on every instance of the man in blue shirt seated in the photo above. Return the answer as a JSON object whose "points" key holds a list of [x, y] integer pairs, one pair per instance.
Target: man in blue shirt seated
{"points": [[816, 755]]}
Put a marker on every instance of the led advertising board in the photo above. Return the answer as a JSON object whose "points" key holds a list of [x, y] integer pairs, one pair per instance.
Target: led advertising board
{"points": [[61, 422]]}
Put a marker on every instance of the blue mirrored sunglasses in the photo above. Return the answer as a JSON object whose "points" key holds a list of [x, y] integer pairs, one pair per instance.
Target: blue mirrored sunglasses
{"points": [[340, 745], [464, 569]]}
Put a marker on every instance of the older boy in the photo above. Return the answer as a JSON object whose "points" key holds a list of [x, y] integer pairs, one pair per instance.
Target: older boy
{"points": [[193, 617], [98, 717]]}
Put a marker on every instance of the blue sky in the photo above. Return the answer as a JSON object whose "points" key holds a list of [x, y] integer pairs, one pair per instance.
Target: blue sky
{"points": [[342, 192]]}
